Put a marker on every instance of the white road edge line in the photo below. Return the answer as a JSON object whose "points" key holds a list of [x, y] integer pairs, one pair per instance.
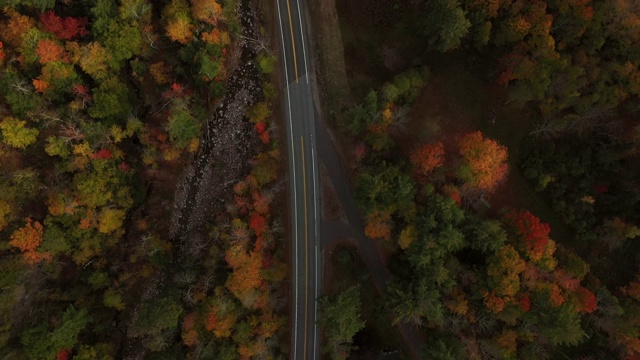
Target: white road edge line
{"points": [[295, 199], [315, 216], [304, 52]]}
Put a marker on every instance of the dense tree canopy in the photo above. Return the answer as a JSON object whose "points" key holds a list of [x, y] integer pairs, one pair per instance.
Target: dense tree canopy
{"points": [[102, 106], [340, 318], [492, 284], [15, 134]]}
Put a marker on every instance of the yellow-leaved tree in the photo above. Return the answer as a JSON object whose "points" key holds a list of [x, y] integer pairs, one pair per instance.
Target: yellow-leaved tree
{"points": [[15, 134], [206, 10], [177, 17], [110, 220]]}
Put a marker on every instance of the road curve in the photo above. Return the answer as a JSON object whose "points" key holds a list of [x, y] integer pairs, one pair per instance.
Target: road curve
{"points": [[303, 178]]}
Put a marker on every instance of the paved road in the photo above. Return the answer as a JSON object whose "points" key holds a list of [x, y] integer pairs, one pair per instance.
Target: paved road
{"points": [[301, 114], [303, 178]]}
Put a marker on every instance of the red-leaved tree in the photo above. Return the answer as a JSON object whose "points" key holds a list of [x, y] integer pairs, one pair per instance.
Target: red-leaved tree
{"points": [[104, 154], [258, 224], [63, 28], [587, 300], [533, 235], [63, 354], [427, 157]]}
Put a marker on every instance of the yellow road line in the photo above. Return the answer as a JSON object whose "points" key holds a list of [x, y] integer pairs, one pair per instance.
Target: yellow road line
{"points": [[293, 41], [306, 249]]}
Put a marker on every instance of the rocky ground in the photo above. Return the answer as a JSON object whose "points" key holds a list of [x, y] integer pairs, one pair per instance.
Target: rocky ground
{"points": [[225, 148]]}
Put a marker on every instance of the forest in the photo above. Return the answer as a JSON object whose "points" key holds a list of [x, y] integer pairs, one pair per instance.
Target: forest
{"points": [[495, 154], [493, 149], [109, 247]]}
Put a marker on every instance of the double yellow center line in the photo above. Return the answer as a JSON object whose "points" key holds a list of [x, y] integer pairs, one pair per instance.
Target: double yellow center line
{"points": [[293, 42]]}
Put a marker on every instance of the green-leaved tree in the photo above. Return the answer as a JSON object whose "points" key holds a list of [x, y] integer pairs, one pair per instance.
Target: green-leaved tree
{"points": [[340, 319]]}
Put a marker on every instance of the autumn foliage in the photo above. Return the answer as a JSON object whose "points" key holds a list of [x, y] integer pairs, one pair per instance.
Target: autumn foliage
{"points": [[27, 239], [189, 333], [63, 354], [160, 72], [494, 303], [40, 85], [208, 11], [504, 270], [16, 134], [553, 293], [16, 26], [246, 275], [263, 132], [378, 225], [427, 157], [258, 224], [75, 150], [525, 302], [533, 235], [484, 161], [216, 37], [65, 28], [220, 321], [103, 154], [587, 300], [49, 50], [180, 30]]}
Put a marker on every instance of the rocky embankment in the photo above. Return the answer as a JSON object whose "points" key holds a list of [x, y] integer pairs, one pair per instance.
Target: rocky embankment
{"points": [[225, 148]]}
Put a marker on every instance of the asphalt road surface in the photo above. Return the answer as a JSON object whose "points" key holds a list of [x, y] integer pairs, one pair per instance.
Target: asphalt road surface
{"points": [[303, 179]]}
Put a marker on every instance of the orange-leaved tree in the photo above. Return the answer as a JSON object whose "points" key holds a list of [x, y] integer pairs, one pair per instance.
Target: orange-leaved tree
{"points": [[221, 318], [40, 85], [378, 225], [16, 26], [189, 333], [247, 274], [49, 50], [484, 161], [215, 36], [206, 10], [27, 239], [180, 30], [427, 157]]}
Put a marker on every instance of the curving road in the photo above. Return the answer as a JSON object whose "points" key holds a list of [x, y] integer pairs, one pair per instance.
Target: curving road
{"points": [[303, 178]]}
